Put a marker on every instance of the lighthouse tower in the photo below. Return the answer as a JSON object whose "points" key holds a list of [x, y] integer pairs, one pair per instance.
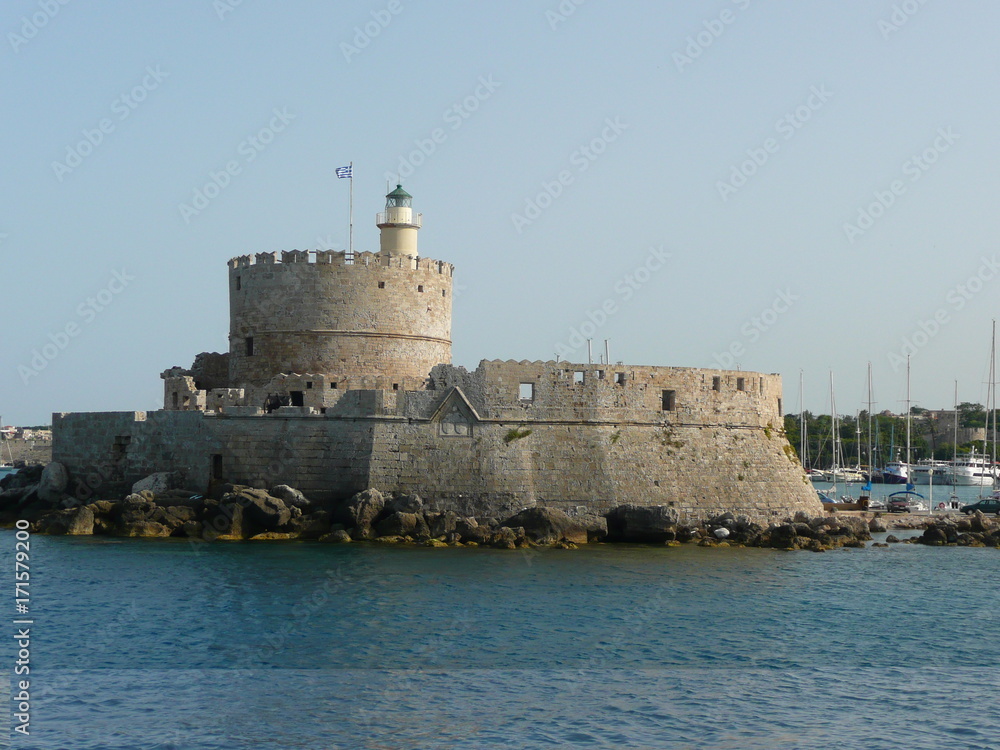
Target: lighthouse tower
{"points": [[359, 320], [399, 224]]}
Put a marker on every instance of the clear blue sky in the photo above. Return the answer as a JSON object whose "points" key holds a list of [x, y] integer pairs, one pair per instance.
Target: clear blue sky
{"points": [[705, 160]]}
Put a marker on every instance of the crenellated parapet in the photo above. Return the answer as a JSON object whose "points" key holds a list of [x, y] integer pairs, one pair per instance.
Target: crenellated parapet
{"points": [[366, 260], [363, 315], [527, 391]]}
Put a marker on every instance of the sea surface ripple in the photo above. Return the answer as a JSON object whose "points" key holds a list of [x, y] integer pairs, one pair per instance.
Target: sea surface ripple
{"points": [[161, 644]]}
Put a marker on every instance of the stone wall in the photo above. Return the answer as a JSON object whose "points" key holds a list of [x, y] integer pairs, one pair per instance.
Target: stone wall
{"points": [[713, 443], [363, 316]]}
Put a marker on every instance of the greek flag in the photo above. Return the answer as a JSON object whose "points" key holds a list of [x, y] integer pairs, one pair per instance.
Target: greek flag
{"points": [[345, 172]]}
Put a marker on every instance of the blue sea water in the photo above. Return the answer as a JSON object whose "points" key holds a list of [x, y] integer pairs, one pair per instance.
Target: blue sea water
{"points": [[161, 644]]}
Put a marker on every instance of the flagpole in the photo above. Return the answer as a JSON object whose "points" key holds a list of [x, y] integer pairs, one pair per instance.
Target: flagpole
{"points": [[352, 211]]}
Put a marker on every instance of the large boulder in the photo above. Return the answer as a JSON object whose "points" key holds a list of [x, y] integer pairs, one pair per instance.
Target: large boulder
{"points": [[290, 496], [548, 526], [935, 536], [336, 537], [642, 523], [596, 526], [267, 513], [223, 519], [404, 504], [311, 526], [402, 524], [52, 483], [855, 527], [74, 522], [29, 476], [16, 497], [158, 483], [361, 510], [469, 530], [134, 509], [979, 522], [443, 523]]}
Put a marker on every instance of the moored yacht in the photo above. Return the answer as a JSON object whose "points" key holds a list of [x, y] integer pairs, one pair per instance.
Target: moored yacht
{"points": [[924, 471], [973, 470]]}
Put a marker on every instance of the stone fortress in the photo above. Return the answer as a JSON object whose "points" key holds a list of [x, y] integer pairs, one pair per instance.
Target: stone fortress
{"points": [[339, 378]]}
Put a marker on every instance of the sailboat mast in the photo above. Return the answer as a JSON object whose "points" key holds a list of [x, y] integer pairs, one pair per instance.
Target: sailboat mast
{"points": [[871, 458], [802, 422], [954, 452], [833, 433], [993, 398], [908, 477]]}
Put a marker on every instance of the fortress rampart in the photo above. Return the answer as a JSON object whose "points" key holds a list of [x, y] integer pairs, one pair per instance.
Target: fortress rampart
{"points": [[338, 378], [475, 443], [364, 315]]}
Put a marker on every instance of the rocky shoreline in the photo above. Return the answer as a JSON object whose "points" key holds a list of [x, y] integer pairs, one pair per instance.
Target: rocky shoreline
{"points": [[158, 508]]}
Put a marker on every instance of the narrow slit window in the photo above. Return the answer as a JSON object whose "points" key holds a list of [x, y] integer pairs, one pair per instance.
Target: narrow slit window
{"points": [[716, 383], [741, 384], [249, 346], [668, 400], [239, 283]]}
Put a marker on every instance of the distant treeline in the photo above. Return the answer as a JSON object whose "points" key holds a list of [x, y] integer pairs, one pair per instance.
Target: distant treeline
{"points": [[888, 436]]}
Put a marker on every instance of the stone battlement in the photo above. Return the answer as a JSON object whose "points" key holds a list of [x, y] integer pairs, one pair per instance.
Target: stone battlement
{"points": [[342, 258]]}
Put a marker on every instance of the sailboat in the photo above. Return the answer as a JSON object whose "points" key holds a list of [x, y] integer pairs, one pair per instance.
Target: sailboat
{"points": [[906, 499], [5, 437]]}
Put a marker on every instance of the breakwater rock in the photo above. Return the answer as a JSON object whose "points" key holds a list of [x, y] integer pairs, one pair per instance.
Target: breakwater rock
{"points": [[282, 513], [973, 531]]}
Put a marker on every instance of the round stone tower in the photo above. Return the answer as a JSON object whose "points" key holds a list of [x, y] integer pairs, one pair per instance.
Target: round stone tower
{"points": [[362, 316]]}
